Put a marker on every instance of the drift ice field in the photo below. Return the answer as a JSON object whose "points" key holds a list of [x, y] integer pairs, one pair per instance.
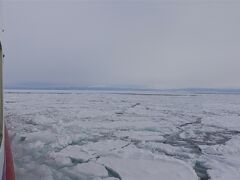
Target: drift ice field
{"points": [[94, 135]]}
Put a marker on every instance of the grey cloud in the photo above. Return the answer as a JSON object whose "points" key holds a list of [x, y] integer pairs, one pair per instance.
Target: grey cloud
{"points": [[152, 44]]}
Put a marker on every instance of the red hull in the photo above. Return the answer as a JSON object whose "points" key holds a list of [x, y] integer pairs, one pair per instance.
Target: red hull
{"points": [[8, 169]]}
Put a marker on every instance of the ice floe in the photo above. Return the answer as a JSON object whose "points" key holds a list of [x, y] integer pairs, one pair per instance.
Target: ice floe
{"points": [[90, 135]]}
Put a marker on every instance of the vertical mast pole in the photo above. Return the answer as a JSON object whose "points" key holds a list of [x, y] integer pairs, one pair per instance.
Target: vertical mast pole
{"points": [[1, 90]]}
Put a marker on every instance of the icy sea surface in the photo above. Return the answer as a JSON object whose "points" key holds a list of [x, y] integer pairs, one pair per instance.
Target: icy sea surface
{"points": [[87, 135]]}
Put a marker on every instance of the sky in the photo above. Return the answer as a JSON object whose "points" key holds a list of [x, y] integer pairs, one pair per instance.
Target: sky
{"points": [[125, 43]]}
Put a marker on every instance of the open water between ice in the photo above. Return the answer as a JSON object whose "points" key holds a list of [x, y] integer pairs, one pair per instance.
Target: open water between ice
{"points": [[91, 135]]}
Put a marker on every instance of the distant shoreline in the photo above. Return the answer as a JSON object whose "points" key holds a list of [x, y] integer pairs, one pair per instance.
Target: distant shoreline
{"points": [[156, 91]]}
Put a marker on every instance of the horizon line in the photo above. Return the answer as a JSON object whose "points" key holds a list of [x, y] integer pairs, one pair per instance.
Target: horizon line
{"points": [[123, 88]]}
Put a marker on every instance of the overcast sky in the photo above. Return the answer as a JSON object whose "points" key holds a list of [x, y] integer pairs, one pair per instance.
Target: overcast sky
{"points": [[153, 44]]}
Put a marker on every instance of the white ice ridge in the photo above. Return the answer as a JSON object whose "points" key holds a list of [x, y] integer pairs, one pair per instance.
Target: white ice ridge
{"points": [[132, 169]]}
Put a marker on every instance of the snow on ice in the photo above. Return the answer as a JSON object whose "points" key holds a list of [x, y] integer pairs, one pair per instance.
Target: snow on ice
{"points": [[93, 135]]}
